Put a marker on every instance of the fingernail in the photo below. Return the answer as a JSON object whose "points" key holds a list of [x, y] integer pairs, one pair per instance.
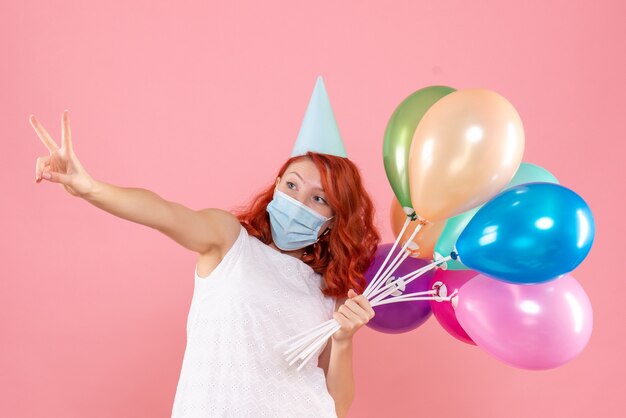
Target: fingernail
{"points": [[46, 175]]}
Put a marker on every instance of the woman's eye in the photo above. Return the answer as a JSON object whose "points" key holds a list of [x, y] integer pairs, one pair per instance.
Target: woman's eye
{"points": [[320, 199], [289, 184]]}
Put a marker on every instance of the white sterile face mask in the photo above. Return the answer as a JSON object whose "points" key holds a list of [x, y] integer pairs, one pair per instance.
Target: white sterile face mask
{"points": [[294, 225]]}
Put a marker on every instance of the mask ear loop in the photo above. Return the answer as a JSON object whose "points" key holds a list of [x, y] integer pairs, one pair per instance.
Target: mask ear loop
{"points": [[325, 233]]}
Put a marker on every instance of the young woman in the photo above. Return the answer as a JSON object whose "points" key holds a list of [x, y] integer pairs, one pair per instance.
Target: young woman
{"points": [[292, 259]]}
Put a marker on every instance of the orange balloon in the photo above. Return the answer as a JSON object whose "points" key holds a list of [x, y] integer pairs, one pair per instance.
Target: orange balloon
{"points": [[426, 238], [465, 150]]}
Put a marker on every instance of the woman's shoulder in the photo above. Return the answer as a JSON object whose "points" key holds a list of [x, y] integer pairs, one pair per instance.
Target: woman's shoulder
{"points": [[224, 225], [232, 233]]}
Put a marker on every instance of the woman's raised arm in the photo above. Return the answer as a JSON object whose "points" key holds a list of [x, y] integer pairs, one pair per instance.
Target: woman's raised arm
{"points": [[202, 231]]}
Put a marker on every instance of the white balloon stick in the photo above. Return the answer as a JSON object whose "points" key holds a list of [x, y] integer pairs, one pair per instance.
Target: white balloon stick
{"points": [[382, 266], [403, 254]]}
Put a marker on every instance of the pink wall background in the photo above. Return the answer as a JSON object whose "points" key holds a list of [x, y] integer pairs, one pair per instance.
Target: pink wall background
{"points": [[201, 102]]}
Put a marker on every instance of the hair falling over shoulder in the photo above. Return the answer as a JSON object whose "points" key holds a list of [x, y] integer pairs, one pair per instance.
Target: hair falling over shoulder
{"points": [[343, 255]]}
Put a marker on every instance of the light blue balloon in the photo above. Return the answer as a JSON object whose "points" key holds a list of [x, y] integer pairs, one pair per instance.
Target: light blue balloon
{"points": [[528, 234], [526, 173]]}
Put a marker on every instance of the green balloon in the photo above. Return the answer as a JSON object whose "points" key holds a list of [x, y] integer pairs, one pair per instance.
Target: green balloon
{"points": [[399, 134], [526, 173]]}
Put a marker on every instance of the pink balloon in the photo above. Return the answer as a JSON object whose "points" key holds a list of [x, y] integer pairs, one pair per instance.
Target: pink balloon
{"points": [[538, 326], [443, 311]]}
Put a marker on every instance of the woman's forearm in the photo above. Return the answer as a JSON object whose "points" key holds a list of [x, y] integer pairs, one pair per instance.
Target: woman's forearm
{"points": [[339, 380], [134, 204]]}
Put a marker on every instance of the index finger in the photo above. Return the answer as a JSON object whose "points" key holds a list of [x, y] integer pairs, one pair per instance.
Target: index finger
{"points": [[43, 134], [66, 134], [363, 303]]}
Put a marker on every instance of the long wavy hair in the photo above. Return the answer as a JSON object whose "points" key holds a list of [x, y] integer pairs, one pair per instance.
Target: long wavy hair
{"points": [[344, 253]]}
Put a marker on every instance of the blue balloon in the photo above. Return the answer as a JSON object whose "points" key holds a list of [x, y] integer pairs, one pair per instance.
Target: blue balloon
{"points": [[528, 234]]}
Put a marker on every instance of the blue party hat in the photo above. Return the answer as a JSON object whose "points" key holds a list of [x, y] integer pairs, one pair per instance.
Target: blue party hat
{"points": [[319, 131]]}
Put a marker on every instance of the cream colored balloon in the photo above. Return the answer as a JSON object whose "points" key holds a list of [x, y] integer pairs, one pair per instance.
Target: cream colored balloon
{"points": [[465, 150]]}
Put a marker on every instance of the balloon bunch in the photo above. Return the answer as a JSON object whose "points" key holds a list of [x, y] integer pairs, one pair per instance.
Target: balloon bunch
{"points": [[511, 234]]}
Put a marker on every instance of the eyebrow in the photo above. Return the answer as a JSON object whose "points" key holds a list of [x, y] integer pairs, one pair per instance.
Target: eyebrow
{"points": [[315, 188]]}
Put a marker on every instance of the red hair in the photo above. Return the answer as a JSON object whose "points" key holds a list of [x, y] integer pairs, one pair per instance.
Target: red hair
{"points": [[343, 255]]}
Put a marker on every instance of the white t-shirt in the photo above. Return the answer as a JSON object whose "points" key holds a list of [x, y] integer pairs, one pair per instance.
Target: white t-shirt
{"points": [[254, 298]]}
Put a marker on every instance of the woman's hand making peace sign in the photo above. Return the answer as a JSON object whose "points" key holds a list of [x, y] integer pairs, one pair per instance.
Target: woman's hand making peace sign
{"points": [[62, 165]]}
